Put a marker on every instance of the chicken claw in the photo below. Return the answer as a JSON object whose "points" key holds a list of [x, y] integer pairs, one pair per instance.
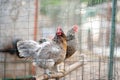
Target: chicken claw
{"points": [[61, 68]]}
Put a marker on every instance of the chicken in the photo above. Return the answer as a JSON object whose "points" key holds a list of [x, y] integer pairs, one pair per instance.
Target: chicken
{"points": [[71, 41], [48, 54], [11, 48]]}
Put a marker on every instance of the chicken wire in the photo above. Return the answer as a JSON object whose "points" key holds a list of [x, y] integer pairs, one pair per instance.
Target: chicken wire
{"points": [[17, 20]]}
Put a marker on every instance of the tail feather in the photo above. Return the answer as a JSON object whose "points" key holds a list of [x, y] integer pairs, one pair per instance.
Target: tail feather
{"points": [[15, 50]]}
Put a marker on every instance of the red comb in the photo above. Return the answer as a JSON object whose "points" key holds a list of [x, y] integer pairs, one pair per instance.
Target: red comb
{"points": [[75, 28]]}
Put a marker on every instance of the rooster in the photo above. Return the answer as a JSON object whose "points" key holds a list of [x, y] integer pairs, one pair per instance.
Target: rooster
{"points": [[11, 48], [71, 41], [46, 55]]}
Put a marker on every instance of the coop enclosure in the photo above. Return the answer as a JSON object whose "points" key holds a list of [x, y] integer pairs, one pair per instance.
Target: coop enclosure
{"points": [[36, 19]]}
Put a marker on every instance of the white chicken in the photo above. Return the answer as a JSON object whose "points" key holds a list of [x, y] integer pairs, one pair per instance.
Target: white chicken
{"points": [[46, 55]]}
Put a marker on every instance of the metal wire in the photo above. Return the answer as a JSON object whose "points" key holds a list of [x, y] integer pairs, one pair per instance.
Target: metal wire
{"points": [[17, 21]]}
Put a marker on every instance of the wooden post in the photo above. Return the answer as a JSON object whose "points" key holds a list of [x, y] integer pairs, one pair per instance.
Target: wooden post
{"points": [[36, 20], [35, 30]]}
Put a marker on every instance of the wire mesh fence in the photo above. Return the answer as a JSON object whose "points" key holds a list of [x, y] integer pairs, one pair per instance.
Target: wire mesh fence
{"points": [[37, 19]]}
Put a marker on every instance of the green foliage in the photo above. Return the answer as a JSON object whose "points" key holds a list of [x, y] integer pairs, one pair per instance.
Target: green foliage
{"points": [[84, 1], [93, 2], [45, 3]]}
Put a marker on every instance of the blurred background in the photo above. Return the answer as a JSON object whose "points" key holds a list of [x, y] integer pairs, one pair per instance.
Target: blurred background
{"points": [[36, 19]]}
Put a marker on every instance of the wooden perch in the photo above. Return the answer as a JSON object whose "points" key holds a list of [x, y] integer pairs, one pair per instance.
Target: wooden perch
{"points": [[60, 74]]}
